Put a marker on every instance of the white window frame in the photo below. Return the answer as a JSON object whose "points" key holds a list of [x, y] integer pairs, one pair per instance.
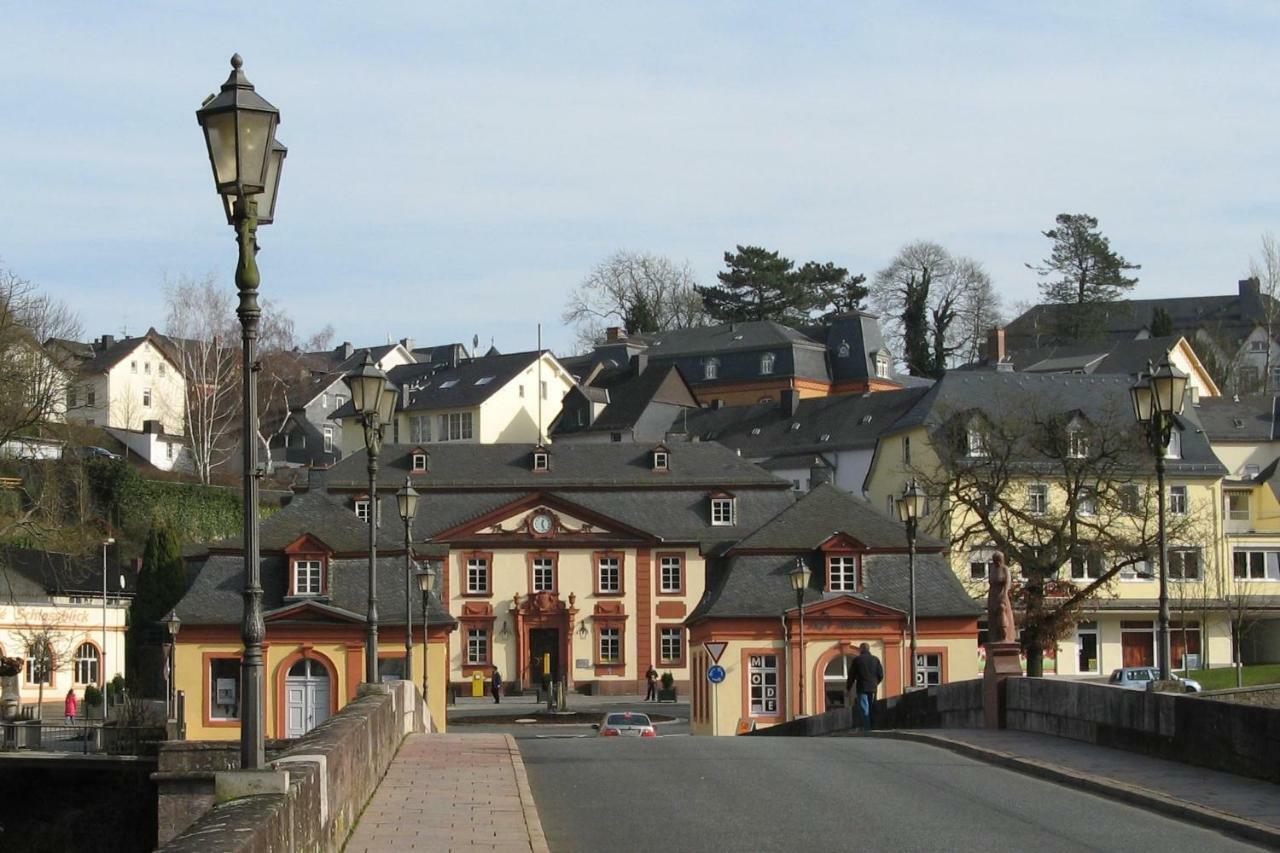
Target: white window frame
{"points": [[660, 459], [711, 368], [842, 573], [609, 574], [928, 669], [328, 438], [544, 574], [87, 666], [308, 577], [722, 512], [984, 557], [477, 570], [1077, 443], [1174, 449], [766, 364], [1267, 561], [764, 688], [1181, 551], [1089, 566], [419, 462], [1236, 514], [362, 510], [1257, 346], [420, 428], [1179, 500], [670, 644], [477, 646], [671, 566], [1038, 498], [882, 366], [609, 645], [975, 444], [456, 426], [541, 460], [146, 398]]}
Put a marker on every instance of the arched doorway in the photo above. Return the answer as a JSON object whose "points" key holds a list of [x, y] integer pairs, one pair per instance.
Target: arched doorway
{"points": [[834, 677], [307, 691]]}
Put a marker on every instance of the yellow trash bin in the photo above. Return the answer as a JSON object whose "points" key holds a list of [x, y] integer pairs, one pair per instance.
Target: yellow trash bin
{"points": [[477, 686]]}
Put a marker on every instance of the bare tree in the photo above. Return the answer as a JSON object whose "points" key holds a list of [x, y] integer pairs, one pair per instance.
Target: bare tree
{"points": [[980, 309], [1242, 608], [48, 643], [33, 381], [639, 291], [1265, 268], [1056, 493], [201, 326]]}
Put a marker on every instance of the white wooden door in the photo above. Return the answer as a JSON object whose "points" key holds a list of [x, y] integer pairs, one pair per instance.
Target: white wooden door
{"points": [[306, 698]]}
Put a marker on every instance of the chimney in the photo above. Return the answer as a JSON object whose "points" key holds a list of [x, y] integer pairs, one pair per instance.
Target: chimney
{"points": [[639, 363], [717, 403], [346, 350], [317, 478], [1250, 287], [790, 402], [108, 341], [819, 473], [995, 346], [407, 343], [153, 427]]}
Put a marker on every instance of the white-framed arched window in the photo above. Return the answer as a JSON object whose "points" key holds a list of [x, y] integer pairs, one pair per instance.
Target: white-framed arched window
{"points": [[87, 664], [766, 364], [711, 368]]}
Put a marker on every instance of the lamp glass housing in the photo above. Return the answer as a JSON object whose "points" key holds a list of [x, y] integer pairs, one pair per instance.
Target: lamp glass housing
{"points": [[239, 128], [172, 623], [427, 578], [799, 576], [1169, 384], [267, 198], [366, 383], [407, 501], [911, 504], [1143, 400], [387, 403]]}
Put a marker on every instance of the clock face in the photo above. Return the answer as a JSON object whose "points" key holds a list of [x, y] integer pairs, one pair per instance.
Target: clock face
{"points": [[542, 523]]}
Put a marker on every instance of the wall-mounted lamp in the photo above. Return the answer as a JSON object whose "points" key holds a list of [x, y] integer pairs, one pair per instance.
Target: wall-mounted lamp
{"points": [[504, 633], [582, 629]]}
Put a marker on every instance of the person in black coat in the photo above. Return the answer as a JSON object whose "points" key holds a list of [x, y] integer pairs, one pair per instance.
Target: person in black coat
{"points": [[865, 675], [495, 684]]}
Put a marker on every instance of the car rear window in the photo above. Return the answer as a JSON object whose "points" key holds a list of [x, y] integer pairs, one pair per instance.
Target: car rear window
{"points": [[626, 720]]}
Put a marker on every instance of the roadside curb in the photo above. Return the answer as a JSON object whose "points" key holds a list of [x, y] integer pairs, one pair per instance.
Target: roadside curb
{"points": [[1137, 795], [537, 838]]}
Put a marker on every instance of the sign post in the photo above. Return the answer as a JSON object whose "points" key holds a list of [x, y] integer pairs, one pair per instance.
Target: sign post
{"points": [[715, 675]]}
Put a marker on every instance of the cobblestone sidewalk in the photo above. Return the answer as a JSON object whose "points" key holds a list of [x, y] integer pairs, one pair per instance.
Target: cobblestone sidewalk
{"points": [[452, 792]]}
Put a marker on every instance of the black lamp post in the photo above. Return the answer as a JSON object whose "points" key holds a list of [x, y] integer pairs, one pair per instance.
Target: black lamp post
{"points": [[239, 129], [375, 402], [911, 506], [171, 623], [407, 501], [800, 582], [1158, 397], [426, 583]]}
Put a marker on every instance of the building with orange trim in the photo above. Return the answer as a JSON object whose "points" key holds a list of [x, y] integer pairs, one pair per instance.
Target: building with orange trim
{"points": [[857, 592]]}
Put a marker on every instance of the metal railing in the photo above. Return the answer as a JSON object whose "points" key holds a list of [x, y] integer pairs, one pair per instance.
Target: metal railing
{"points": [[83, 739]]}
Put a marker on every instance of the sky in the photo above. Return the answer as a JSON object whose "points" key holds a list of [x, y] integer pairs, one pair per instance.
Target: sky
{"points": [[456, 169]]}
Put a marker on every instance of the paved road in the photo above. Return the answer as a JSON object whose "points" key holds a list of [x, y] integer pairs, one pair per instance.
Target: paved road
{"points": [[817, 794]]}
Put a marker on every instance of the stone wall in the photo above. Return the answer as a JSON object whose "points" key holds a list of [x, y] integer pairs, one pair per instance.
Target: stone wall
{"points": [[818, 725], [332, 771], [955, 705], [1263, 697], [1233, 737]]}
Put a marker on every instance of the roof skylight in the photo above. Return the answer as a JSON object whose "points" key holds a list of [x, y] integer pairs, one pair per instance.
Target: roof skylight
{"points": [[484, 380], [448, 383]]}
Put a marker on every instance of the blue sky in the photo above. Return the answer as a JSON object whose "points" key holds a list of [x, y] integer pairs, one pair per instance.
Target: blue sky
{"points": [[455, 169]]}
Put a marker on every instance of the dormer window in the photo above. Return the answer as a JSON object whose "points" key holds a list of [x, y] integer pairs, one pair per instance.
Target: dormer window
{"points": [[842, 573], [711, 368], [882, 365], [308, 561], [723, 512], [362, 509], [976, 444], [1174, 449], [661, 459], [766, 364], [307, 577], [418, 461], [541, 460]]}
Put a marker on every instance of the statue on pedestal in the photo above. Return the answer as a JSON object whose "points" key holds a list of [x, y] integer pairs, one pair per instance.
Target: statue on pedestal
{"points": [[1000, 624]]}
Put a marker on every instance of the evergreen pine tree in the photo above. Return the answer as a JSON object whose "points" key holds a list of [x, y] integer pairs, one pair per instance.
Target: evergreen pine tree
{"points": [[161, 583], [757, 285], [1084, 274], [1161, 323]]}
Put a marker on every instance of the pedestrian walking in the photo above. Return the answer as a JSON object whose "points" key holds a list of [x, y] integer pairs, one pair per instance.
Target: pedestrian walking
{"points": [[495, 685], [865, 676], [69, 707], [651, 694]]}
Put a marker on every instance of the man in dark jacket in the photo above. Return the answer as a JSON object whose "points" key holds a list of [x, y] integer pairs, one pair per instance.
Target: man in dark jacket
{"points": [[865, 675], [495, 685]]}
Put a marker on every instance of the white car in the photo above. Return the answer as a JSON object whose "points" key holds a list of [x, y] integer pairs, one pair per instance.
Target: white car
{"points": [[625, 724], [1140, 677]]}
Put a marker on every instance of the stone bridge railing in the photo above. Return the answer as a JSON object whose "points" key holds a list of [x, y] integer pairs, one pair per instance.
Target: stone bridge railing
{"points": [[322, 782]]}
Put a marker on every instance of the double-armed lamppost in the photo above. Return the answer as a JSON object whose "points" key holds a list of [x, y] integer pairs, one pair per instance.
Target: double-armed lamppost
{"points": [[800, 582], [426, 583], [375, 403], [240, 133], [1158, 397], [407, 502], [911, 506]]}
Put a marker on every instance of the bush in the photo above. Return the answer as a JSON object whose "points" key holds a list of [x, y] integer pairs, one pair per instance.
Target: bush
{"points": [[193, 512], [668, 681], [10, 666], [92, 696]]}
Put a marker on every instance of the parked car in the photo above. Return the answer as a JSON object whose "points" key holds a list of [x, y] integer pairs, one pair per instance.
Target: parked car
{"points": [[625, 724], [1139, 677], [96, 453]]}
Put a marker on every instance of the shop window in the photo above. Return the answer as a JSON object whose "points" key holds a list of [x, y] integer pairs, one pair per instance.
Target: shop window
{"points": [[928, 669], [87, 664], [762, 680], [224, 689]]}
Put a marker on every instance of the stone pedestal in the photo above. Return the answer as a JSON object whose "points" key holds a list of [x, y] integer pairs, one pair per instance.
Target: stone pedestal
{"points": [[1003, 661], [10, 697]]}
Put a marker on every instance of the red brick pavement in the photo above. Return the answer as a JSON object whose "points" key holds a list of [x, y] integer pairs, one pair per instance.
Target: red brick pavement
{"points": [[447, 792]]}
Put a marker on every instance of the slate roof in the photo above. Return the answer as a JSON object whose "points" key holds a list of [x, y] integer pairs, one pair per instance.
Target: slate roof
{"points": [[726, 337], [757, 585], [216, 595], [336, 360], [426, 387], [825, 511], [1121, 356], [94, 359], [31, 576], [848, 421], [1104, 398], [573, 465], [1249, 417], [627, 398], [333, 521]]}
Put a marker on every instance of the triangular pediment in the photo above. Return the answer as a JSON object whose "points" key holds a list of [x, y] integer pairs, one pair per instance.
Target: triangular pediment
{"points": [[312, 611], [850, 607], [842, 542], [308, 543], [541, 517]]}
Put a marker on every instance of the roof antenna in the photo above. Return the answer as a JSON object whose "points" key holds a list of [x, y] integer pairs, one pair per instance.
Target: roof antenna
{"points": [[539, 391]]}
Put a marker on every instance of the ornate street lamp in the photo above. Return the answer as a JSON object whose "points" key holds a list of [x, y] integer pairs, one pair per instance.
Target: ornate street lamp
{"points": [[239, 128], [375, 403], [799, 577], [171, 623], [1158, 397], [911, 506], [426, 583], [407, 502]]}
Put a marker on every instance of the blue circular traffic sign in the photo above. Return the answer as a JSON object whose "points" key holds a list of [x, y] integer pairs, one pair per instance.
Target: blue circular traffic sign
{"points": [[715, 674]]}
